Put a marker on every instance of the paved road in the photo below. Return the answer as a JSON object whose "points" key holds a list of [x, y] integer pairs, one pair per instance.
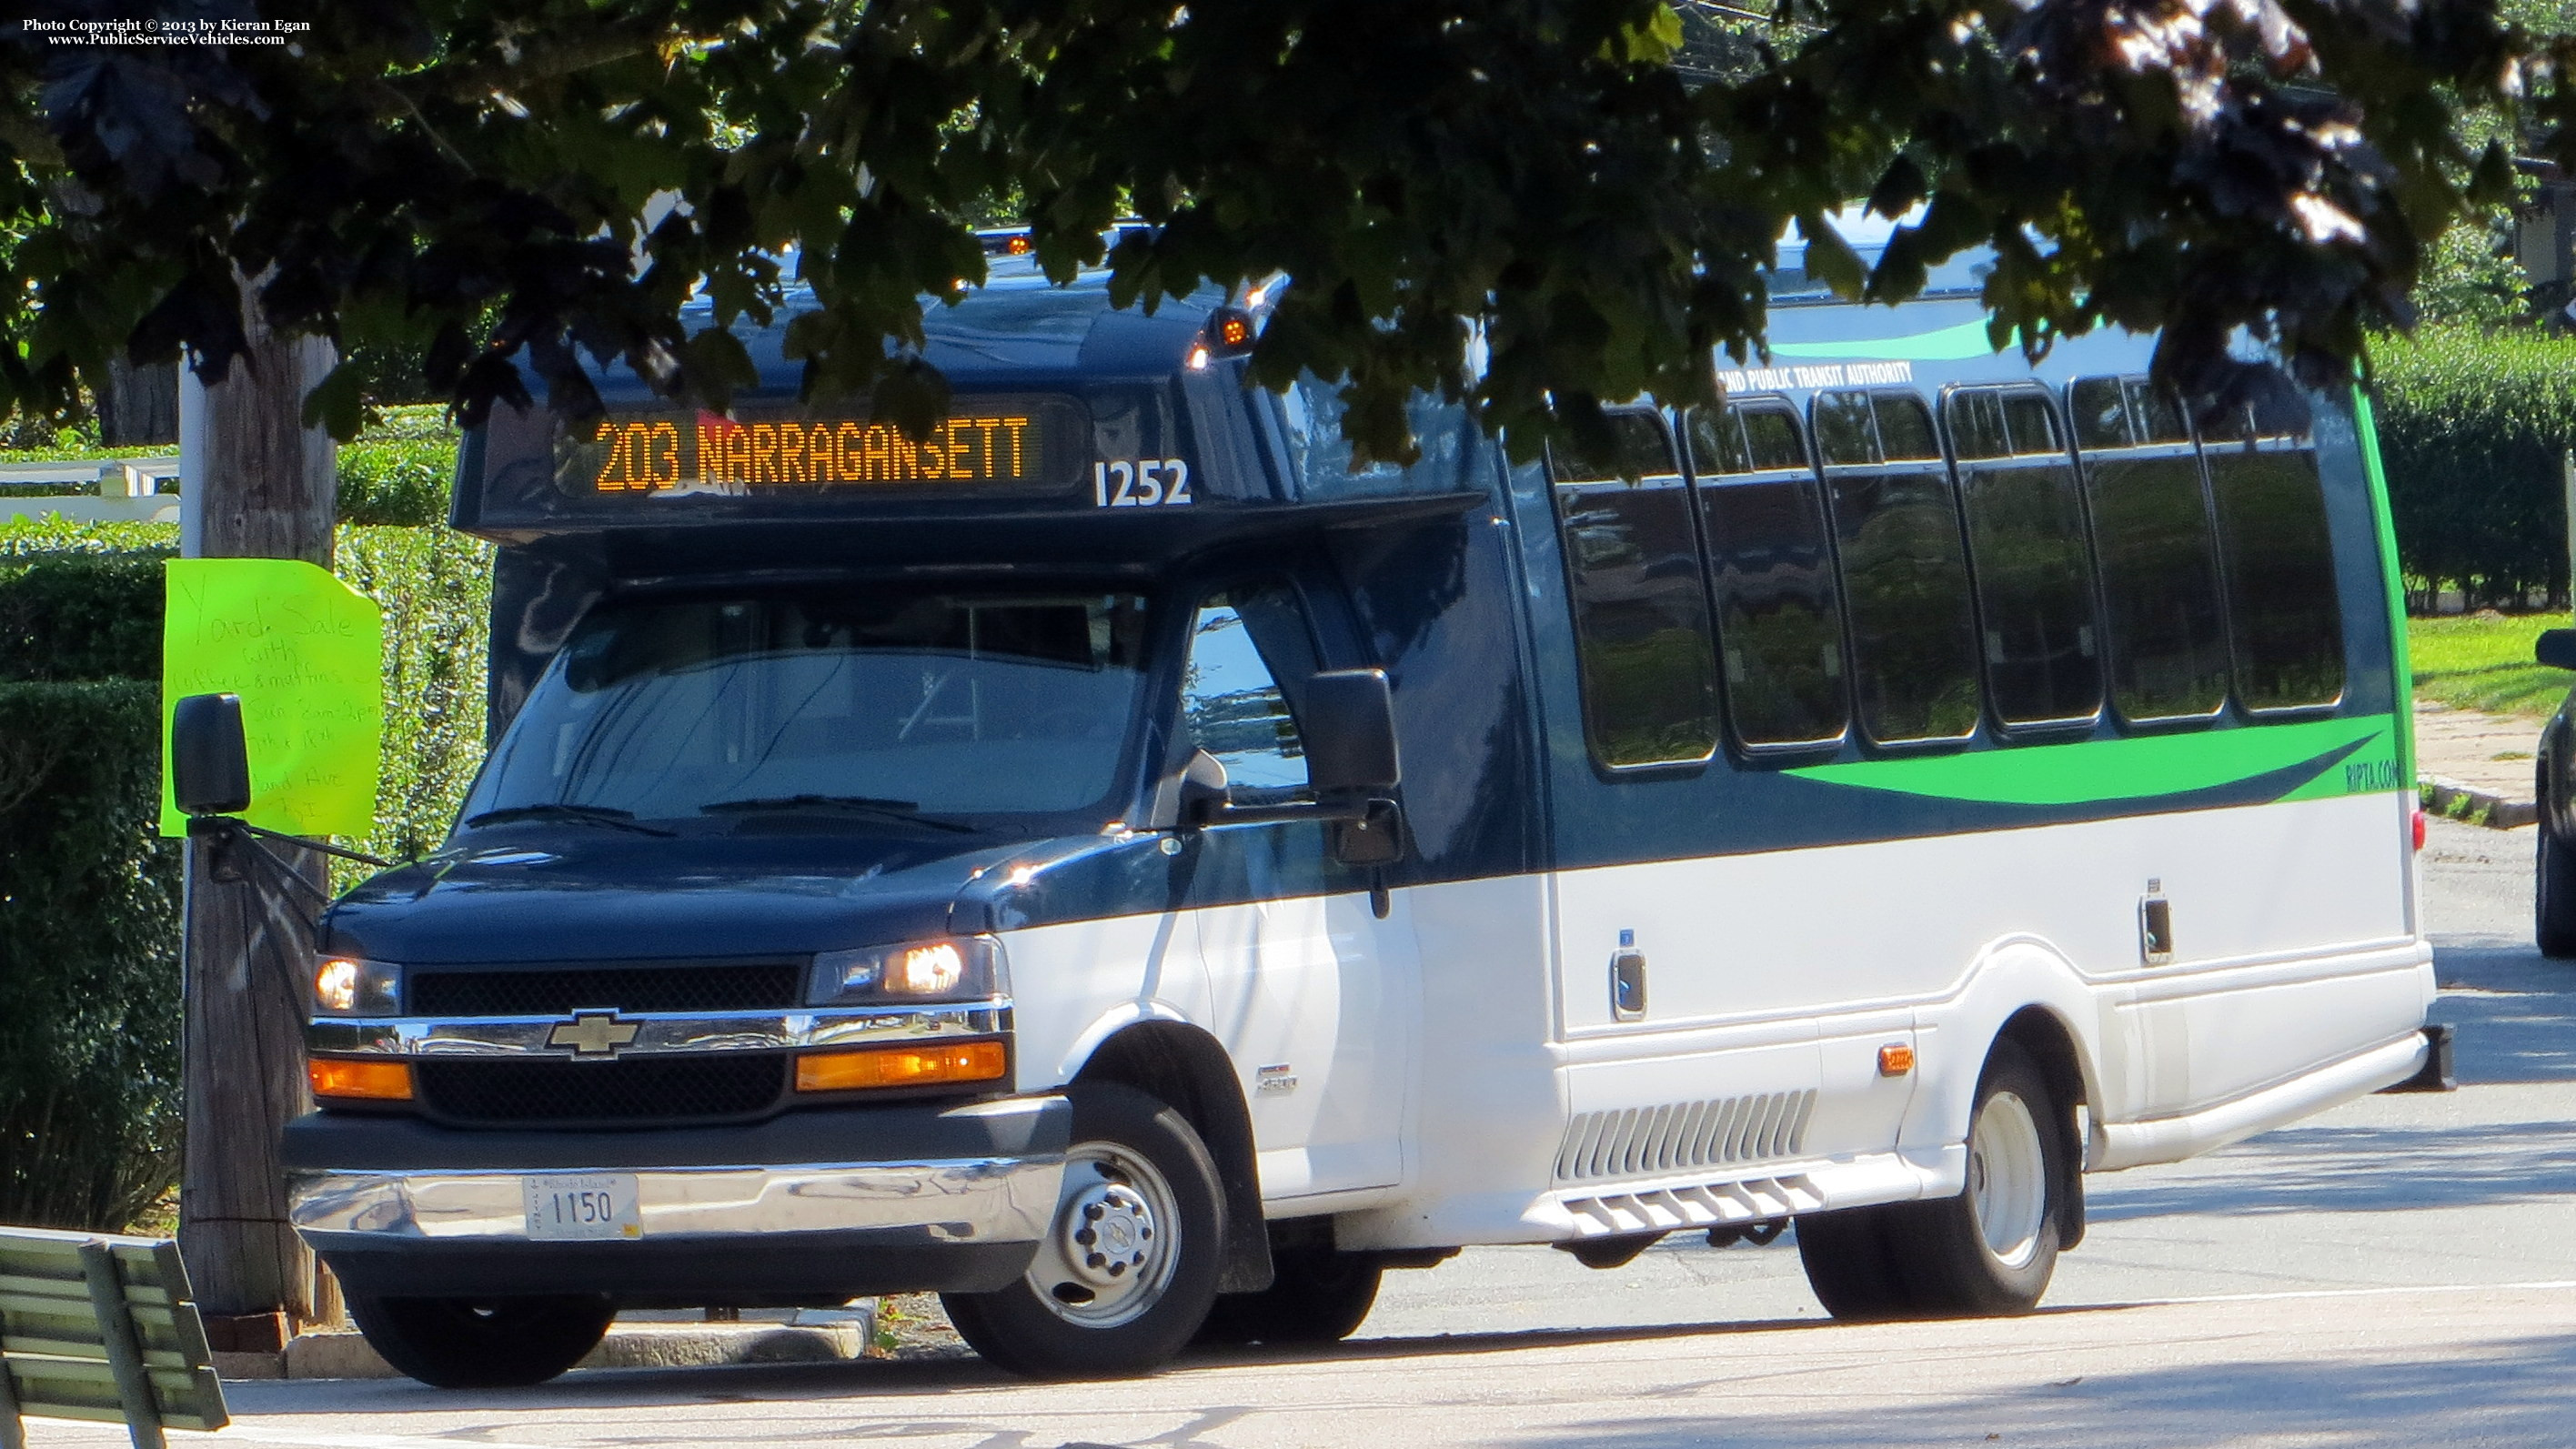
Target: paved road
{"points": [[2400, 1271]]}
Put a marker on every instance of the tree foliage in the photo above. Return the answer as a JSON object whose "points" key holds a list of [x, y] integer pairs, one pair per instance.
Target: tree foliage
{"points": [[472, 178]]}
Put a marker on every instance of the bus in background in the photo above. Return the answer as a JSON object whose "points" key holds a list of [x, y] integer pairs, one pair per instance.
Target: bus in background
{"points": [[1122, 865]]}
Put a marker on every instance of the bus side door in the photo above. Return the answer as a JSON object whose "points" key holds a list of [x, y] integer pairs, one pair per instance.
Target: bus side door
{"points": [[1311, 993]]}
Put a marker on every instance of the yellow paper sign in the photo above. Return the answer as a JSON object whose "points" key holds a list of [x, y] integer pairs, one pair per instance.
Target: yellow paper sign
{"points": [[306, 654]]}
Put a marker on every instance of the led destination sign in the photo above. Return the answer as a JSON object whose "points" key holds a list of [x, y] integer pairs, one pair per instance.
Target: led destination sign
{"points": [[1019, 444]]}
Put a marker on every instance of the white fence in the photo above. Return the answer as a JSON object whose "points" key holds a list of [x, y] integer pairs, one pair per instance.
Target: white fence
{"points": [[125, 490]]}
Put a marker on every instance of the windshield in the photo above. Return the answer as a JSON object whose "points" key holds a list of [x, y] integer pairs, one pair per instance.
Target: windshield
{"points": [[937, 705]]}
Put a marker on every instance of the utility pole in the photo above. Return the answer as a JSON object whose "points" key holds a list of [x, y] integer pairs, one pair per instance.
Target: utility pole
{"points": [[255, 483]]}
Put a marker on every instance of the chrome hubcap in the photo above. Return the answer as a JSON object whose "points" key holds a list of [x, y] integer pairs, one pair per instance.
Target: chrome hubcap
{"points": [[2008, 1179], [1115, 1239]]}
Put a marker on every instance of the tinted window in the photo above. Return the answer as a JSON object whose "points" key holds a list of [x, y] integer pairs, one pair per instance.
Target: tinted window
{"points": [[2034, 575], [1778, 624], [1640, 614], [1905, 579], [1320, 456], [1231, 703], [2279, 558], [2153, 536]]}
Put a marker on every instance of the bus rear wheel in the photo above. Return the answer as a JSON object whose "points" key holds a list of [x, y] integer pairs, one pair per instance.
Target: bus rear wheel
{"points": [[1990, 1250], [460, 1343], [1129, 1263], [1318, 1296]]}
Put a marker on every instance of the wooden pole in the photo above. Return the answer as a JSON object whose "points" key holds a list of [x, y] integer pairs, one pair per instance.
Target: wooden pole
{"points": [[258, 484], [2567, 480]]}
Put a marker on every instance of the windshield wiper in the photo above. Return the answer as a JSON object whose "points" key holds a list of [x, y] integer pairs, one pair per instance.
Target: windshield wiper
{"points": [[608, 815], [906, 811]]}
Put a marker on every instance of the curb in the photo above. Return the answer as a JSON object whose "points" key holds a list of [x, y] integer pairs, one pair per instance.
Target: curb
{"points": [[345, 1355], [2470, 805]]}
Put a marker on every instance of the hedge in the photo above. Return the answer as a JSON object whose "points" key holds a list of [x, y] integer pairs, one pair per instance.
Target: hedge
{"points": [[397, 481], [89, 957], [2472, 427], [89, 896]]}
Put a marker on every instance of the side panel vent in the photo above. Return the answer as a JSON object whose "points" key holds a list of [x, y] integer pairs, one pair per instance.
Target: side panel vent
{"points": [[1681, 1136]]}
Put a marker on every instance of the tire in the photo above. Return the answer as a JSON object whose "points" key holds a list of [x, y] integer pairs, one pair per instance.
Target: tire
{"points": [[1319, 1296], [1988, 1251], [501, 1343], [1079, 1312], [2553, 895]]}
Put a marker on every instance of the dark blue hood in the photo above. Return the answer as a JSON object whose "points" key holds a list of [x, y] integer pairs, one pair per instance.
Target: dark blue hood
{"points": [[557, 893]]}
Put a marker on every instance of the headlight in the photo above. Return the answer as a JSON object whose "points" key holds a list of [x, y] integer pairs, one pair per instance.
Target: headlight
{"points": [[346, 987], [953, 968]]}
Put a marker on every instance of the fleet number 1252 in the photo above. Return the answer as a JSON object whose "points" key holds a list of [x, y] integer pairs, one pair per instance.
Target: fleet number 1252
{"points": [[1144, 483]]}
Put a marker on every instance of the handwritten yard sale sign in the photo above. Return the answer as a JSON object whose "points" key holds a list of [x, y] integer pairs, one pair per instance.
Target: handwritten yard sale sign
{"points": [[306, 654]]}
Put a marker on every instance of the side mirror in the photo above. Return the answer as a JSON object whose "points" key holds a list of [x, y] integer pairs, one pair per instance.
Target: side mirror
{"points": [[1350, 733], [209, 761], [2555, 648]]}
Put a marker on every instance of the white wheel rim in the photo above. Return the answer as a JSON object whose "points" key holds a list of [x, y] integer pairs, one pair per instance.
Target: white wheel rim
{"points": [[1115, 1240], [2008, 1179]]}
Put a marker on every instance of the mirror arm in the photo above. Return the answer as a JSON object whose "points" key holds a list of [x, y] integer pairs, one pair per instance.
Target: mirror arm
{"points": [[220, 825]]}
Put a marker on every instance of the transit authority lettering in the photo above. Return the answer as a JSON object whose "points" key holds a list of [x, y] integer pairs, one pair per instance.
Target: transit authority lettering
{"points": [[649, 454], [1831, 374]]}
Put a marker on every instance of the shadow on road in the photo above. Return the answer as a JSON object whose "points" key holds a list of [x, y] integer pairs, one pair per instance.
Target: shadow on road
{"points": [[2512, 1007], [2512, 1392], [2358, 1169], [628, 1388]]}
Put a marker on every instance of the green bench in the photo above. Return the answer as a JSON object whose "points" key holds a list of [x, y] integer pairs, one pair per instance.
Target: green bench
{"points": [[99, 1327]]}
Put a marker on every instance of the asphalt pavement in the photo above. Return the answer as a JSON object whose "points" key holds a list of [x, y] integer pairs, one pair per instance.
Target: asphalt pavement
{"points": [[2399, 1271]]}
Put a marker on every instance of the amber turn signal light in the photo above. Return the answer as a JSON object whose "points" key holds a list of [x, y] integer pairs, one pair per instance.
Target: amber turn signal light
{"points": [[1895, 1059], [906, 1066], [374, 1081]]}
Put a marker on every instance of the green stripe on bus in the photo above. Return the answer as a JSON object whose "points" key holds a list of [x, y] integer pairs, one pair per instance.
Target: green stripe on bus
{"points": [[2350, 756], [1950, 344], [2384, 517]]}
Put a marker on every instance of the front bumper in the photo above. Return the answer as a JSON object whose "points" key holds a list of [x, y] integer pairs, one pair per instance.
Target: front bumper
{"points": [[817, 1206]]}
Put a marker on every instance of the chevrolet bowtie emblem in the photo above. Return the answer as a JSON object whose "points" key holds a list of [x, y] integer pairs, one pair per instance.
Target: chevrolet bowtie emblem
{"points": [[593, 1033]]}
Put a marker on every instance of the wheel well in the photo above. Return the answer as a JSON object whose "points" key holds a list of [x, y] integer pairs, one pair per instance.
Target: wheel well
{"points": [[2051, 1048], [1186, 1070]]}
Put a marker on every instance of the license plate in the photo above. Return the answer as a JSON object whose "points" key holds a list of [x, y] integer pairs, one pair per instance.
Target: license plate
{"points": [[597, 1205]]}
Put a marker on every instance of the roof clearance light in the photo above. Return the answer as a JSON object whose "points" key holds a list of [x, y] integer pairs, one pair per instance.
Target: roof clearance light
{"points": [[1229, 331]]}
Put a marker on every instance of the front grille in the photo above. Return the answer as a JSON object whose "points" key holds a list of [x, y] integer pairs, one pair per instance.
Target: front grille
{"points": [[715, 1087], [553, 991]]}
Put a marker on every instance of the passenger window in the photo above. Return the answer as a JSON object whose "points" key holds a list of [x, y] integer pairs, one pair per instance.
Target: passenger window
{"points": [[1231, 703], [2026, 536], [1319, 455], [1641, 629], [1905, 574], [2158, 552], [2279, 557], [1779, 625]]}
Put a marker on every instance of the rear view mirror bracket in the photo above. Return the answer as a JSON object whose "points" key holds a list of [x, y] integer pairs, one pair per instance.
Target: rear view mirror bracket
{"points": [[210, 782]]}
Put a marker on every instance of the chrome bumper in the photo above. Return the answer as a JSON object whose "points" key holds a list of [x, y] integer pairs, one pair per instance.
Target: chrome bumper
{"points": [[972, 1200]]}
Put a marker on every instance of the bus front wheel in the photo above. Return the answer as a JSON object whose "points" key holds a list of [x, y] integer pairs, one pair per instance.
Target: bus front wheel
{"points": [[460, 1343], [1128, 1266], [1989, 1250]]}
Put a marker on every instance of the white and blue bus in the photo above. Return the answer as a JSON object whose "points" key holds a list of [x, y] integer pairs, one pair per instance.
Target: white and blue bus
{"points": [[1120, 865]]}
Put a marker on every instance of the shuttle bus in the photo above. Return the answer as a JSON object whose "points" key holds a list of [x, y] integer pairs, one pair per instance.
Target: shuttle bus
{"points": [[1122, 864]]}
